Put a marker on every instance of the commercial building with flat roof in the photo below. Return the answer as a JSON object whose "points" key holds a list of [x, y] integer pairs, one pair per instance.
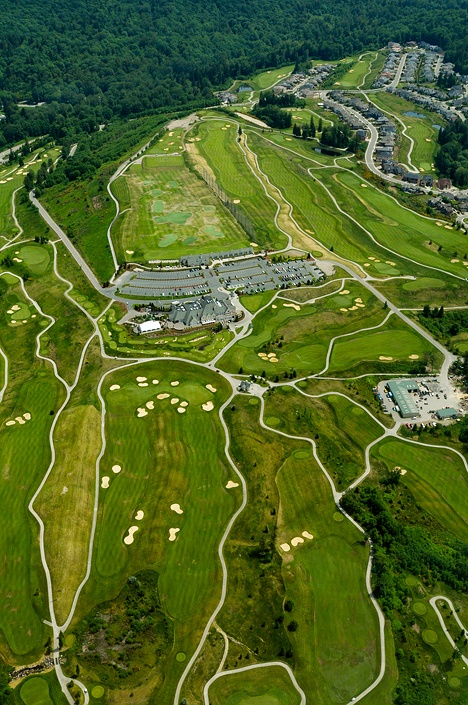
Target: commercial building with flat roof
{"points": [[449, 413], [400, 390]]}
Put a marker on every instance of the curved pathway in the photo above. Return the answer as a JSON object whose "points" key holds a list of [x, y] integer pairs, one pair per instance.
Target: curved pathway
{"points": [[433, 602]]}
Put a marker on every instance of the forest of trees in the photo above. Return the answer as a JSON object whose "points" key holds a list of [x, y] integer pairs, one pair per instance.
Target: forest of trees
{"points": [[452, 158], [91, 61]]}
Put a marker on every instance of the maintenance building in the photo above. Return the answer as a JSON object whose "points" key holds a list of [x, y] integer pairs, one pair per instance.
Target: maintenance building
{"points": [[448, 413], [401, 394]]}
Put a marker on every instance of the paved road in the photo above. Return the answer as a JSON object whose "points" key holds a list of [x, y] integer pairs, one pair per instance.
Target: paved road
{"points": [[433, 601]]}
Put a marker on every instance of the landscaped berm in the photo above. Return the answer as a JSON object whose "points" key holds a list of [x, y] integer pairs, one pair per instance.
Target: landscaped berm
{"points": [[169, 211]]}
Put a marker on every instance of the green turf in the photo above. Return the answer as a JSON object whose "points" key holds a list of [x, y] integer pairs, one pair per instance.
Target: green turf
{"points": [[36, 258], [419, 608], [266, 79], [177, 223], [355, 76], [97, 692], [429, 636], [263, 686], [35, 691]]}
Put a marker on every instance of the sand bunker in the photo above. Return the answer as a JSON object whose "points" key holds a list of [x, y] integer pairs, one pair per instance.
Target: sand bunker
{"points": [[453, 261], [129, 252], [17, 259], [141, 379], [20, 420], [364, 185], [10, 423], [230, 485], [271, 355], [428, 139], [15, 307], [113, 387], [10, 311], [307, 535], [288, 139], [352, 308], [209, 406], [181, 410], [371, 258], [116, 469], [366, 264], [142, 384], [173, 534], [176, 508], [149, 405], [236, 200], [414, 357], [105, 482], [358, 301], [262, 354], [163, 396], [184, 403], [403, 471], [345, 310], [211, 388], [139, 515], [155, 381], [129, 538], [361, 305], [141, 412], [175, 400], [345, 291], [274, 306], [297, 540], [383, 357], [285, 547], [273, 359], [27, 416], [175, 383], [295, 306], [439, 224]]}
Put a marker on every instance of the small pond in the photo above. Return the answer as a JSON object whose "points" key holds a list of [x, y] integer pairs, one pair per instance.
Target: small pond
{"points": [[411, 113]]}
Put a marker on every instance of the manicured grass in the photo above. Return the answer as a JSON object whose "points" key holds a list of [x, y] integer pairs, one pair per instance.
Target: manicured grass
{"points": [[170, 141], [342, 429], [443, 291], [360, 67], [35, 691], [165, 457], [266, 79], [262, 686], [219, 148], [24, 456], [395, 340], [173, 212], [256, 301], [436, 477]]}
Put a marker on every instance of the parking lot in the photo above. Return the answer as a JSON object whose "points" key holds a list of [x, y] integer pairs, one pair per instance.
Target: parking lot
{"points": [[430, 398]]}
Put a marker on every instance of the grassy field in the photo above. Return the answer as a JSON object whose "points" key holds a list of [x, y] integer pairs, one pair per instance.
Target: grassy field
{"points": [[35, 691], [24, 457], [438, 291], [360, 67], [170, 141], [342, 429], [217, 145], [172, 212], [420, 129], [436, 477], [267, 79], [262, 686], [166, 457]]}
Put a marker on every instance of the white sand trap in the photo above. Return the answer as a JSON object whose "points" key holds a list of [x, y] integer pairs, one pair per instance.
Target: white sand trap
{"points": [[392, 264], [345, 310], [297, 540], [274, 306], [142, 384], [15, 307], [364, 185], [17, 259], [171, 134], [371, 258], [10, 423], [288, 139], [105, 482], [171, 143], [150, 405], [403, 471], [173, 534], [33, 316], [181, 410], [27, 416], [307, 535], [210, 388], [114, 387], [209, 406], [155, 381], [129, 538], [116, 469], [129, 252], [227, 124], [352, 308], [414, 357], [224, 128], [166, 149], [176, 508], [358, 301], [383, 357], [254, 244], [139, 515], [230, 485], [163, 396], [453, 261], [439, 224], [273, 359], [184, 403], [271, 355], [175, 383], [285, 547], [427, 139], [20, 420], [236, 200], [141, 413], [295, 306], [141, 379], [361, 305], [175, 400], [366, 264], [376, 260], [345, 291], [10, 311]]}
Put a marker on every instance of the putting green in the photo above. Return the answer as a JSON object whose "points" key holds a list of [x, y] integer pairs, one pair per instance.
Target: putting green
{"points": [[430, 636], [272, 421], [419, 608], [167, 240], [357, 410], [35, 691], [302, 454], [253, 401], [173, 184], [97, 692], [338, 516], [9, 278], [35, 258], [158, 206], [181, 656], [424, 283], [213, 231], [454, 682], [176, 217], [70, 640], [190, 240], [23, 313], [411, 581]]}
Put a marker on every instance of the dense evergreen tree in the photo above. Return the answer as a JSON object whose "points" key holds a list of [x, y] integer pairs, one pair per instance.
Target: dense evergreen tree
{"points": [[452, 158]]}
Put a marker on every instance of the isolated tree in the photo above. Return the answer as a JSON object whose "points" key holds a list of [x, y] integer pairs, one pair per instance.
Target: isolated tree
{"points": [[320, 125], [312, 127]]}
